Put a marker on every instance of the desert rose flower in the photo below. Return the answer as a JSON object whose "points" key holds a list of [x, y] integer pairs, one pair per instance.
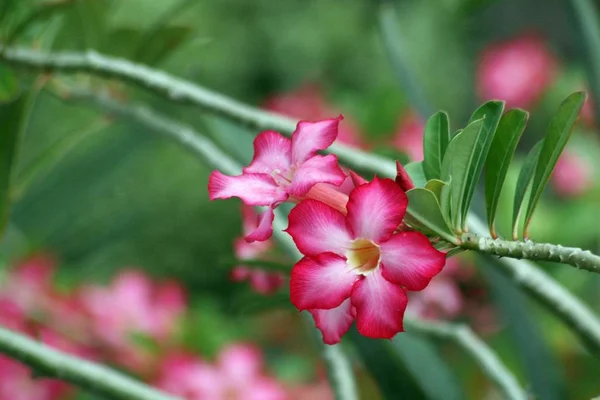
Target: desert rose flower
{"points": [[282, 170], [355, 265], [516, 71], [409, 136], [572, 175]]}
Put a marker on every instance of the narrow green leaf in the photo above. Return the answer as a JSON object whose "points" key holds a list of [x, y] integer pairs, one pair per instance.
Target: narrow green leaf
{"points": [[541, 366], [435, 142], [559, 131], [426, 365], [424, 212], [511, 127], [9, 85], [415, 171], [455, 170], [491, 112], [10, 120], [523, 182]]}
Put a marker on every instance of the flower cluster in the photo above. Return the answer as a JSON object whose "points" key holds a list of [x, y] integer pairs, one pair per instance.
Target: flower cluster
{"points": [[359, 257], [133, 323]]}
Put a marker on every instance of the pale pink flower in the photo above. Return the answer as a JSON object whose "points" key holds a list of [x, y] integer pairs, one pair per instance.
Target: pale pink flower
{"points": [[29, 283], [307, 102], [262, 281], [355, 266], [572, 175], [516, 71], [237, 375], [16, 383], [409, 136], [282, 170]]}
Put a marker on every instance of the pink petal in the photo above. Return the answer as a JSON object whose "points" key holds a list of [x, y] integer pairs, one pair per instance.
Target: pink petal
{"points": [[335, 322], [264, 230], [379, 306], [324, 282], [310, 137], [408, 259], [272, 151], [317, 169], [241, 363], [376, 209], [317, 228], [253, 189]]}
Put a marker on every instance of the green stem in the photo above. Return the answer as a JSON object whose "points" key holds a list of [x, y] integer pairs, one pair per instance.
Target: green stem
{"points": [[463, 336], [96, 378], [565, 305], [578, 258]]}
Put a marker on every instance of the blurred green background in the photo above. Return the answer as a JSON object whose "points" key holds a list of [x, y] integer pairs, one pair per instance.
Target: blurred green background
{"points": [[103, 194]]}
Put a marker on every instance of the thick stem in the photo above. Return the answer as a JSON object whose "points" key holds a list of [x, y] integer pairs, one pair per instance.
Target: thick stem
{"points": [[96, 378], [582, 259]]}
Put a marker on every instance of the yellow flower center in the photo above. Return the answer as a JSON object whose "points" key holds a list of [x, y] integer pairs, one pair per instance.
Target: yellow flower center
{"points": [[363, 256]]}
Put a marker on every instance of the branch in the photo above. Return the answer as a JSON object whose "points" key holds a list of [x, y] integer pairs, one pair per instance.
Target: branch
{"points": [[338, 366], [582, 259], [567, 307], [463, 336], [54, 364]]}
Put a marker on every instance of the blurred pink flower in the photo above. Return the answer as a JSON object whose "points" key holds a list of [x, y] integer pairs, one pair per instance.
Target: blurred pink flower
{"points": [[572, 175], [587, 115], [261, 281], [30, 282], [409, 136], [236, 375], [16, 383], [516, 71], [307, 102], [313, 391]]}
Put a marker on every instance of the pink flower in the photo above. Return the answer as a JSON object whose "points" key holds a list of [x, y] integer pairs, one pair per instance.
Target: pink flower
{"points": [[572, 175], [307, 102], [237, 374], [30, 282], [282, 170], [409, 136], [16, 383], [355, 266], [262, 281], [516, 71]]}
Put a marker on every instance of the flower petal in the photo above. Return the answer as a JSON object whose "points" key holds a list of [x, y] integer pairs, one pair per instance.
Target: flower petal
{"points": [[335, 322], [272, 151], [408, 259], [264, 230], [310, 137], [317, 228], [253, 189], [317, 169], [324, 281], [379, 306], [376, 209]]}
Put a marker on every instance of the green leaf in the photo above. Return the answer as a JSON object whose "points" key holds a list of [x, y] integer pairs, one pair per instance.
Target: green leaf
{"points": [[426, 365], [541, 366], [11, 122], [435, 142], [9, 85], [415, 171], [523, 182], [424, 212], [559, 131], [436, 186], [491, 112], [511, 127], [455, 170], [387, 369]]}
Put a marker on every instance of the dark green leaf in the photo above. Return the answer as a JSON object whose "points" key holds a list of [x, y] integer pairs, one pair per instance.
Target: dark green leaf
{"points": [[424, 212], [559, 131], [541, 366], [387, 369], [435, 142], [455, 170], [511, 127], [9, 85], [415, 171], [491, 112], [11, 122], [523, 182], [423, 360]]}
